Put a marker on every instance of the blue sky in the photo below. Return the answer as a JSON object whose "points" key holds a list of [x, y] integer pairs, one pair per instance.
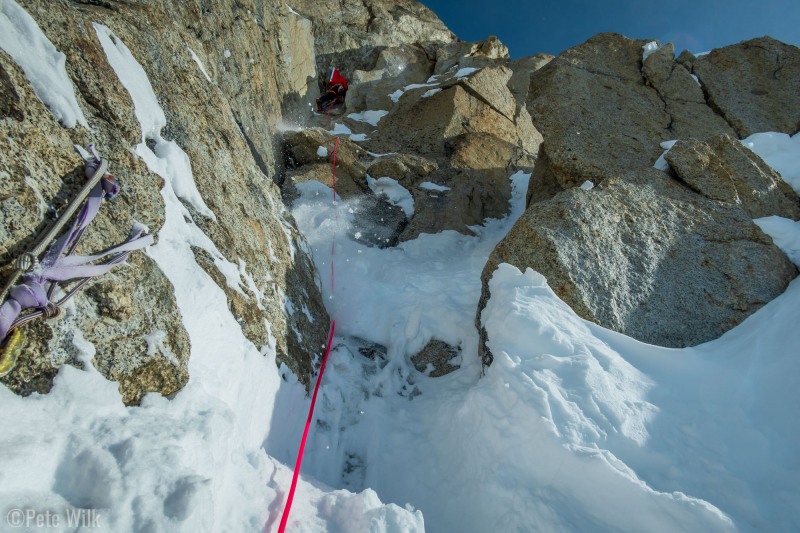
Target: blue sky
{"points": [[528, 27]]}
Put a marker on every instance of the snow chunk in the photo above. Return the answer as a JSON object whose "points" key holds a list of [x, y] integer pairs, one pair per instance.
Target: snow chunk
{"points": [[587, 185], [340, 129], [370, 117], [43, 64], [395, 96], [322, 151], [358, 137], [466, 71], [430, 186], [199, 64], [292, 11], [226, 53], [696, 79], [395, 193], [649, 49]]}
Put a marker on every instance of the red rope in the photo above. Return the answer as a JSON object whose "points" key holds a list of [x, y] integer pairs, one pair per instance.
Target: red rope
{"points": [[335, 211], [302, 449]]}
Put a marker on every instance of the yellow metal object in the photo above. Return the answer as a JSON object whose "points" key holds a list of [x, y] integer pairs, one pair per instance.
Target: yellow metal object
{"points": [[10, 352]]}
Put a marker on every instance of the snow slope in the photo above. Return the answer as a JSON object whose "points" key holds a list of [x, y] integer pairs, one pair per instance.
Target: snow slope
{"points": [[573, 428]]}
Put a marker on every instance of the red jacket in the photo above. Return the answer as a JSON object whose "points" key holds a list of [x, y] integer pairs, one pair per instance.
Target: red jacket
{"points": [[337, 79]]}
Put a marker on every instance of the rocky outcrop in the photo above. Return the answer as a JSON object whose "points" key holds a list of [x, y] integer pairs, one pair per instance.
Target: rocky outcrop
{"points": [[645, 252], [753, 85], [223, 117], [645, 256], [723, 169]]}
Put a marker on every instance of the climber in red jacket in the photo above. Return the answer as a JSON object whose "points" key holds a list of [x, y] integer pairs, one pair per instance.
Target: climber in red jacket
{"points": [[335, 87]]}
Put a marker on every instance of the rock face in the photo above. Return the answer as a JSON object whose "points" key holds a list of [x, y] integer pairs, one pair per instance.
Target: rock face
{"points": [[224, 120], [351, 34], [670, 258], [753, 84]]}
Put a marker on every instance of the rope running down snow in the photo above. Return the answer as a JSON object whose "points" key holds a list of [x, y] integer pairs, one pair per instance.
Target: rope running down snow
{"points": [[301, 449]]}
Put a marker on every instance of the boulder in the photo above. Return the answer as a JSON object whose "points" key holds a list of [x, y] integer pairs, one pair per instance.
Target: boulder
{"points": [[437, 359], [753, 85], [645, 256], [723, 169], [309, 156], [425, 119], [461, 198]]}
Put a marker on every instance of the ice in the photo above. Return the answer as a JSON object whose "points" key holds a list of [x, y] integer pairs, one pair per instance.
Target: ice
{"points": [[43, 64]]}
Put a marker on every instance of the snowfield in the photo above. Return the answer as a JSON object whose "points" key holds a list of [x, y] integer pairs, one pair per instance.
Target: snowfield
{"points": [[573, 427]]}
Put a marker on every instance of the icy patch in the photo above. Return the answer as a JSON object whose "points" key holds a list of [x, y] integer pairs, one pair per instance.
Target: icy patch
{"points": [[167, 160], [395, 96], [395, 193], [44, 66], [696, 80], [322, 151], [199, 63], [370, 117], [155, 344], [649, 49], [358, 137]]}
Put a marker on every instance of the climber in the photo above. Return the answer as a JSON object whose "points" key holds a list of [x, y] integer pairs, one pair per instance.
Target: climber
{"points": [[335, 87]]}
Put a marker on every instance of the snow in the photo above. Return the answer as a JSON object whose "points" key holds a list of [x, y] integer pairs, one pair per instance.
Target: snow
{"points": [[199, 63], [661, 162], [430, 92], [649, 49], [466, 71], [167, 159], [587, 185], [780, 151], [395, 193], [370, 117], [430, 186], [44, 66], [322, 151], [226, 54]]}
